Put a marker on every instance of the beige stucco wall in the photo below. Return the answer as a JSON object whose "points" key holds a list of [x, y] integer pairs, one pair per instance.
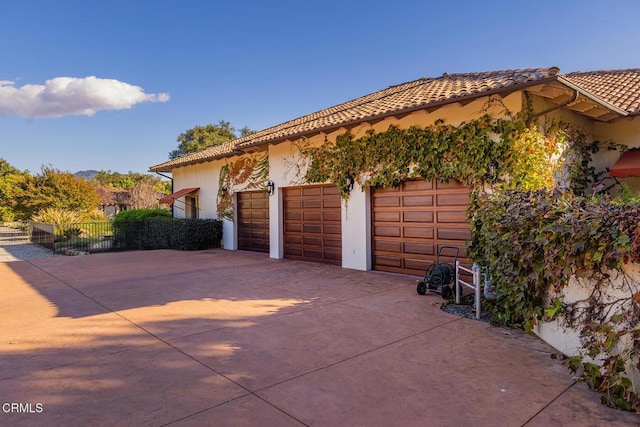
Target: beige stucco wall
{"points": [[567, 339], [286, 169]]}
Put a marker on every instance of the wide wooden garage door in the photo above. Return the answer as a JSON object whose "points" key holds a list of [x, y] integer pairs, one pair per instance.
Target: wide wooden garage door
{"points": [[312, 225], [253, 221], [410, 224]]}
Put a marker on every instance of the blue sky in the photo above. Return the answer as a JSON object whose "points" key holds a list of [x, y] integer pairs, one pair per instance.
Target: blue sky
{"points": [[162, 67]]}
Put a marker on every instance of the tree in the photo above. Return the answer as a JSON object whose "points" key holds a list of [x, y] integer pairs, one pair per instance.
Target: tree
{"points": [[11, 180], [53, 188], [144, 196], [201, 137]]}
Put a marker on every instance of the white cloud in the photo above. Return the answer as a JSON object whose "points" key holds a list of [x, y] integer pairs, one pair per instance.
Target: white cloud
{"points": [[65, 96]]}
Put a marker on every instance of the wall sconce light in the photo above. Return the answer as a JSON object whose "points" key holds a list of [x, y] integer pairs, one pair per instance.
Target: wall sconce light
{"points": [[271, 187], [493, 170], [350, 181]]}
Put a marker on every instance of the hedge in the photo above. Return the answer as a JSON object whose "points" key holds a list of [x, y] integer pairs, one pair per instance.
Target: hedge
{"points": [[166, 233]]}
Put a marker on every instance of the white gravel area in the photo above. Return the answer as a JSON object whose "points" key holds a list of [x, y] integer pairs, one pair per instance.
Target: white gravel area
{"points": [[15, 246]]}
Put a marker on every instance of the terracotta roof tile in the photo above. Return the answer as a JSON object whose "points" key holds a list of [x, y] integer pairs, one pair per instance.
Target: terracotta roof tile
{"points": [[620, 88], [421, 93]]}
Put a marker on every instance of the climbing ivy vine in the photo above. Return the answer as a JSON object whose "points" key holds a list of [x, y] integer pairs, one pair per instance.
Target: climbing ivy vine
{"points": [[523, 157], [251, 170], [534, 242]]}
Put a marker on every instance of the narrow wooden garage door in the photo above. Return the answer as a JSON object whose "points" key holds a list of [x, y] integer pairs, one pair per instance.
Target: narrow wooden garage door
{"points": [[312, 224], [253, 221], [412, 222]]}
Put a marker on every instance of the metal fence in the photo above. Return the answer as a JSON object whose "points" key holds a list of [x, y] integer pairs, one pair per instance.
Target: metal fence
{"points": [[42, 234], [83, 237]]}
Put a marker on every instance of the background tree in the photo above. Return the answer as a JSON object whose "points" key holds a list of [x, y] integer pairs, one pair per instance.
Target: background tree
{"points": [[144, 196], [130, 180], [201, 137], [52, 188], [11, 181]]}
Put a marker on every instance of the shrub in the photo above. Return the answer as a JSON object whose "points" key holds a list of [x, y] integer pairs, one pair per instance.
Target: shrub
{"points": [[141, 214], [56, 216], [167, 233], [95, 215]]}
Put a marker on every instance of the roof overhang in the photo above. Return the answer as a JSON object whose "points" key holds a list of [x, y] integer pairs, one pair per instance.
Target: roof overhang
{"points": [[171, 198], [561, 92], [627, 165]]}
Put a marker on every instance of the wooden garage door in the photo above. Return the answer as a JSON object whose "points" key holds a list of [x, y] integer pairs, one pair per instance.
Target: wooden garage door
{"points": [[412, 222], [312, 225], [253, 221]]}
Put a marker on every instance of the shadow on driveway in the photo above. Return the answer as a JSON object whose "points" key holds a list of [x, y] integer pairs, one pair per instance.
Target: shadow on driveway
{"points": [[235, 338]]}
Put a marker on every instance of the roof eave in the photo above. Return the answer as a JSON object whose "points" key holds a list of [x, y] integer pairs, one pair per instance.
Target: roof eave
{"points": [[592, 97], [499, 91]]}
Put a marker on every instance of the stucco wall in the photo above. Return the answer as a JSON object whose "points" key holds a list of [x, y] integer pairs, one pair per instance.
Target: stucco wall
{"points": [[286, 169], [567, 339]]}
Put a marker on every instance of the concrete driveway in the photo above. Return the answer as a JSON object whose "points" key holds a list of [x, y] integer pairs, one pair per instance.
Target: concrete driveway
{"points": [[237, 339]]}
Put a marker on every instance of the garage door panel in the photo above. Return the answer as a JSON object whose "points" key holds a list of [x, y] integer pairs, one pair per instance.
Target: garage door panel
{"points": [[454, 217], [311, 191], [410, 223], [388, 231], [418, 248], [331, 242], [417, 265], [454, 199], [417, 232], [290, 192], [333, 202], [417, 216], [454, 234], [312, 224], [335, 256], [312, 216], [386, 201], [331, 216], [385, 216], [335, 229], [311, 203], [253, 221], [312, 241], [293, 251], [292, 216], [387, 246], [293, 239], [312, 228], [312, 253], [293, 227], [388, 261], [417, 200], [292, 204], [417, 185]]}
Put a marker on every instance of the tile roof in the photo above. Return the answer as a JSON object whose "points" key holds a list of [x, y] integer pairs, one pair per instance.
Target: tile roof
{"points": [[620, 88]]}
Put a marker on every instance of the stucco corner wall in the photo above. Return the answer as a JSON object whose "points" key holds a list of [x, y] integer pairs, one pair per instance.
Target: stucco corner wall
{"points": [[567, 339], [356, 229]]}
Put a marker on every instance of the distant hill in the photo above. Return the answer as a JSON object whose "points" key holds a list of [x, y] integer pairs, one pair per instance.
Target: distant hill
{"points": [[88, 174]]}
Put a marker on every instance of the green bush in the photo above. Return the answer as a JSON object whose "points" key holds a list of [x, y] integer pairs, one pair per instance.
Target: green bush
{"points": [[167, 233], [141, 214]]}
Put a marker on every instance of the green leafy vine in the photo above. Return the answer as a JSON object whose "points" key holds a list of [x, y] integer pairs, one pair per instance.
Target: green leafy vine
{"points": [[534, 243], [503, 151], [252, 170]]}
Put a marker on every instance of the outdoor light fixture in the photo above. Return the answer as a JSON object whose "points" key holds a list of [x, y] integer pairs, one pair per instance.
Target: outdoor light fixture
{"points": [[493, 169], [350, 181], [271, 187]]}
